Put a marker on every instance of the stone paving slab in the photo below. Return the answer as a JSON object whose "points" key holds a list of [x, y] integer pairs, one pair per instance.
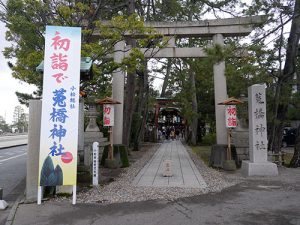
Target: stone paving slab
{"points": [[185, 173]]}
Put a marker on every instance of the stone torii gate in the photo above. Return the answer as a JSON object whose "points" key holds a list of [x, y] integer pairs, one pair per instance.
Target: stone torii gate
{"points": [[213, 29]]}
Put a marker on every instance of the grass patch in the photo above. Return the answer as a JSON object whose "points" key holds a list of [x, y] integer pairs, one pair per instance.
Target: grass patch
{"points": [[287, 158], [203, 152], [284, 159]]}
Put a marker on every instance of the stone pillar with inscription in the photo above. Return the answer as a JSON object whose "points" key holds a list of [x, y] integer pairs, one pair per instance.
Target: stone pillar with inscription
{"points": [[258, 143]]}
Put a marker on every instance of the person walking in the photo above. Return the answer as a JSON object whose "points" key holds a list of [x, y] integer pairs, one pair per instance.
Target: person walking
{"points": [[172, 134]]}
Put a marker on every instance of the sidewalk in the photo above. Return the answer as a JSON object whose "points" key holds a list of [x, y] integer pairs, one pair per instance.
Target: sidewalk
{"points": [[12, 141]]}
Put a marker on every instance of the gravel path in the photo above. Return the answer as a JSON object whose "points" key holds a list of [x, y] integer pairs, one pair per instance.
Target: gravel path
{"points": [[122, 189]]}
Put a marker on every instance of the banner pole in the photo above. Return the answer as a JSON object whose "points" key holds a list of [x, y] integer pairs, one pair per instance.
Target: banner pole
{"points": [[39, 197], [74, 195], [111, 142]]}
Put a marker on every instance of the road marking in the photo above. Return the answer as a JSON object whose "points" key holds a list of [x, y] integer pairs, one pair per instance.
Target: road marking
{"points": [[3, 160], [269, 186], [9, 153]]}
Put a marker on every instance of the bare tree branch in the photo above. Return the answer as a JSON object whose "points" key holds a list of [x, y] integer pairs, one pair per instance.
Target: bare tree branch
{"points": [[273, 30]]}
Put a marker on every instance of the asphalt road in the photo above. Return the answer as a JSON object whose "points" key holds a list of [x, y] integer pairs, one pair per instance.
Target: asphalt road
{"points": [[12, 175]]}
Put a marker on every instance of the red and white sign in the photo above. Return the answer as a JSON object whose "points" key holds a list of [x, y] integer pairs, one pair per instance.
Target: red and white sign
{"points": [[108, 115], [230, 116]]}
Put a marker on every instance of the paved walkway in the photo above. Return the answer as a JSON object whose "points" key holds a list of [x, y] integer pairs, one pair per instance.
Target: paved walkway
{"points": [[185, 173]]}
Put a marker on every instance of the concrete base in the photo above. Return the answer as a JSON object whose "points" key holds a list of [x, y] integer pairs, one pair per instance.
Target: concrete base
{"points": [[111, 163], [259, 169], [3, 204], [219, 154], [229, 165], [64, 189]]}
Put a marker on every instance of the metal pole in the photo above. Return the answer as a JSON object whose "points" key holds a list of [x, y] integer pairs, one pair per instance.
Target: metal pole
{"points": [[39, 197], [229, 144], [111, 155], [74, 195]]}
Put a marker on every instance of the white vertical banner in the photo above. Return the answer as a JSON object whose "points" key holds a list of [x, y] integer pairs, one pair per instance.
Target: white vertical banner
{"points": [[59, 126], [108, 115], [230, 116]]}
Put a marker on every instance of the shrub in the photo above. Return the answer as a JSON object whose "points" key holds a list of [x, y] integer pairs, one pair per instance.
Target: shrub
{"points": [[209, 139]]}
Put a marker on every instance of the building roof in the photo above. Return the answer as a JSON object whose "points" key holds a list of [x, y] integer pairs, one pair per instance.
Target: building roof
{"points": [[85, 65], [231, 101], [107, 100]]}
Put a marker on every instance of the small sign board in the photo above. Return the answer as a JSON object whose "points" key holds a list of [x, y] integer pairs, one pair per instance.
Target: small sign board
{"points": [[95, 163], [108, 115], [230, 116], [167, 168]]}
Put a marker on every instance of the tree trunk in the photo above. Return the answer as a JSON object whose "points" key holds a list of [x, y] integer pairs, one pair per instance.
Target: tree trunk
{"points": [[166, 80], [194, 122], [130, 90], [274, 123], [141, 107], [295, 162], [286, 78], [298, 81], [128, 107]]}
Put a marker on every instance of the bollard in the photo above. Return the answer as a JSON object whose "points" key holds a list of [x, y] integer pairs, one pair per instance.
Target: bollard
{"points": [[3, 204]]}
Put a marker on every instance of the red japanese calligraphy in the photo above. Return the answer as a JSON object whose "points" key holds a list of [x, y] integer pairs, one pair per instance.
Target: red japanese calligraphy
{"points": [[59, 77], [107, 110], [106, 120], [59, 43], [231, 111], [59, 61], [231, 122]]}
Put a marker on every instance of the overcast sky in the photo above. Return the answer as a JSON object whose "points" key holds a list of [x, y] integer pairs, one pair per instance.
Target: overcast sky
{"points": [[9, 85]]}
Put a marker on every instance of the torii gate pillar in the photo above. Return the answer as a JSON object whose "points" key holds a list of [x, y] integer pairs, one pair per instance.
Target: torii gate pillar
{"points": [[118, 93], [220, 94]]}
